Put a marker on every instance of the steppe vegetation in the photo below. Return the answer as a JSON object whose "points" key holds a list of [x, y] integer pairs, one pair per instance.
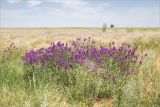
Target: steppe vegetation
{"points": [[80, 67]]}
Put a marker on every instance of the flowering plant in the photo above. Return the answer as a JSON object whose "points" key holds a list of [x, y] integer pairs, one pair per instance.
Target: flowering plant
{"points": [[106, 62]]}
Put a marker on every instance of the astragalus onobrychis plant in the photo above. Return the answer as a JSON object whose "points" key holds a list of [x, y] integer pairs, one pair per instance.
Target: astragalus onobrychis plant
{"points": [[107, 62], [107, 67]]}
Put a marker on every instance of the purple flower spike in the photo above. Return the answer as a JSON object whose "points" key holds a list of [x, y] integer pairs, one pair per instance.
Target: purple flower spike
{"points": [[84, 52]]}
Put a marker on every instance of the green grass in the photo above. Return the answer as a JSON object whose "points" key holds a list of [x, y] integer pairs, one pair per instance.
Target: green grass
{"points": [[20, 86], [153, 44], [130, 30]]}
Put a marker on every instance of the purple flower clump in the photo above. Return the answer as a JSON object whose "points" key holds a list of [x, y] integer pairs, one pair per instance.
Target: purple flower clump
{"points": [[107, 62]]}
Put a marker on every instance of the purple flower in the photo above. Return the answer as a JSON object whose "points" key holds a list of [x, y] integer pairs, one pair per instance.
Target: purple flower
{"points": [[140, 62], [66, 56]]}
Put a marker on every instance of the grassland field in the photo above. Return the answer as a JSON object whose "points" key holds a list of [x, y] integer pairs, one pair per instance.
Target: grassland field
{"points": [[142, 90]]}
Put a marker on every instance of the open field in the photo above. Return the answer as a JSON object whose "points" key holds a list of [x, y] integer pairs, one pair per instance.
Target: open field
{"points": [[34, 38], [141, 90]]}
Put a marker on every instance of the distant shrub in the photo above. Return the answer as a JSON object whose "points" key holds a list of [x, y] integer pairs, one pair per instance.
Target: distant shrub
{"points": [[112, 26], [104, 27]]}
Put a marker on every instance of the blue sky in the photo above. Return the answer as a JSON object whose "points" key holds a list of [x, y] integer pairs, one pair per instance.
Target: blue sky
{"points": [[79, 13]]}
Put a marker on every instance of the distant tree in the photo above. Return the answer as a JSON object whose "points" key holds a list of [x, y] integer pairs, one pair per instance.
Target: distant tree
{"points": [[104, 27], [112, 26]]}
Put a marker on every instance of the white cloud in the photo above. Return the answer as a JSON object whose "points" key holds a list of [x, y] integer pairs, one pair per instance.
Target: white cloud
{"points": [[80, 14], [72, 5], [32, 3], [69, 2], [106, 4], [79, 6], [13, 1]]}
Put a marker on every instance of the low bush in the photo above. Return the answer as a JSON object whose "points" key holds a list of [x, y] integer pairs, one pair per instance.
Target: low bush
{"points": [[82, 69]]}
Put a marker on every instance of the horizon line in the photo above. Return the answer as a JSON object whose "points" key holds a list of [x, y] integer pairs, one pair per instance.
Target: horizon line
{"points": [[71, 27]]}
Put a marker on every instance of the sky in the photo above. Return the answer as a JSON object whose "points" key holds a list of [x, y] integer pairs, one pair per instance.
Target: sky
{"points": [[79, 13]]}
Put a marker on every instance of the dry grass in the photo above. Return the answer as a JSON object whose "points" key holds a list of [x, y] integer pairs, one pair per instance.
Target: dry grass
{"points": [[147, 82], [35, 38]]}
